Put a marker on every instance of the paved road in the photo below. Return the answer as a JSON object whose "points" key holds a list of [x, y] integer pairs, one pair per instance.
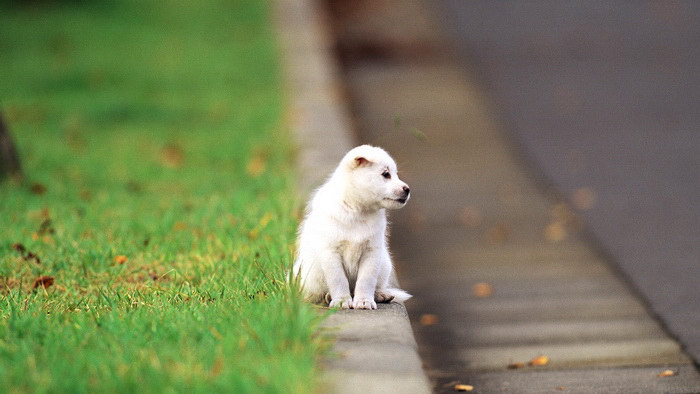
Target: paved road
{"points": [[499, 272], [606, 95]]}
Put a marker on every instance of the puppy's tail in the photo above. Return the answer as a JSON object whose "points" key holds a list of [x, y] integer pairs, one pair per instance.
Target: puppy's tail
{"points": [[398, 294]]}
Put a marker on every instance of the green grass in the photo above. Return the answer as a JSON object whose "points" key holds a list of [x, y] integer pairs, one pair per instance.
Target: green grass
{"points": [[155, 128]]}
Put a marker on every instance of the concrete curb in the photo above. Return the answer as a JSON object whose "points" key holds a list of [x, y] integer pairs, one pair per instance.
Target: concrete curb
{"points": [[376, 351]]}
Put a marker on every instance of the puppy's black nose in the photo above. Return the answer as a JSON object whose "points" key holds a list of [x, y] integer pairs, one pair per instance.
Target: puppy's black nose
{"points": [[406, 189]]}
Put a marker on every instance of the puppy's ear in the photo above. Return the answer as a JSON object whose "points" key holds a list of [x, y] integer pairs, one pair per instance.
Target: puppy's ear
{"points": [[360, 162]]}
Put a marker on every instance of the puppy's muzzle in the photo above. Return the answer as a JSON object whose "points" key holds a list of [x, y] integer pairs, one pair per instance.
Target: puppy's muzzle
{"points": [[404, 197]]}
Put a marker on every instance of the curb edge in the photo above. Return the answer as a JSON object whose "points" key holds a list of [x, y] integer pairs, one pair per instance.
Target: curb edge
{"points": [[377, 352]]}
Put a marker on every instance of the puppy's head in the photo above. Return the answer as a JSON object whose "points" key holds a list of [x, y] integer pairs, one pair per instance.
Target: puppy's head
{"points": [[373, 178]]}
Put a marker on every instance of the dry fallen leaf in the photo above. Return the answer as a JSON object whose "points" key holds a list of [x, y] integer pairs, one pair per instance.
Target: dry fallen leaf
{"points": [[464, 387], [561, 388], [266, 219], [217, 366], [254, 233], [555, 232], [516, 365], [27, 255], [37, 188], [172, 156], [428, 319], [19, 247], [482, 290], [583, 198], [498, 234], [470, 217], [33, 256], [120, 259], [46, 227], [43, 281], [668, 373], [256, 165], [538, 361], [562, 213]]}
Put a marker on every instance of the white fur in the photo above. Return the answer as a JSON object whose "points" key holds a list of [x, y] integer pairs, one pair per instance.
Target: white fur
{"points": [[343, 256]]}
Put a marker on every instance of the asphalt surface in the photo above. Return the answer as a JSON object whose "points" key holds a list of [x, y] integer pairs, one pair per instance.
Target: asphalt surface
{"points": [[604, 98], [497, 264]]}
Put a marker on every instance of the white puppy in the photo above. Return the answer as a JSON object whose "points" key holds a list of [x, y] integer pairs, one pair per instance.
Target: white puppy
{"points": [[343, 257]]}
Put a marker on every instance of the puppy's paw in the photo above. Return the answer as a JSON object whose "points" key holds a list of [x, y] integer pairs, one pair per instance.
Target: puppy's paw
{"points": [[380, 296], [364, 303], [343, 303]]}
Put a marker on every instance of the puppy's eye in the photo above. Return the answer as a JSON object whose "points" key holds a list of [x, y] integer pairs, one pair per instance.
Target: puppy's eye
{"points": [[386, 174]]}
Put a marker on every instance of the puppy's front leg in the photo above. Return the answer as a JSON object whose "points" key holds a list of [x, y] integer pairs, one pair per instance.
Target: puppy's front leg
{"points": [[337, 282], [366, 282]]}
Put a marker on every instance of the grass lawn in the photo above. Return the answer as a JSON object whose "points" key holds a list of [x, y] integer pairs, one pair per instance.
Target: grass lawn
{"points": [[159, 206]]}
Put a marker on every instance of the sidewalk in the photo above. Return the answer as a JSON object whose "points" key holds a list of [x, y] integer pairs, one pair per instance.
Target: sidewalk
{"points": [[478, 216]]}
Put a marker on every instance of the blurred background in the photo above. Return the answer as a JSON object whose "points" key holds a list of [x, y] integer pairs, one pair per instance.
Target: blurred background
{"points": [[604, 98]]}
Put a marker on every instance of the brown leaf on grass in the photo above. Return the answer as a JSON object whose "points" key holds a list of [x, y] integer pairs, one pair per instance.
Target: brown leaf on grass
{"points": [[256, 165], [37, 188], [667, 373], [217, 366], [482, 290], [428, 319], [179, 226], [26, 255], [172, 156], [120, 259], [265, 219], [133, 187], [215, 333], [464, 387], [37, 214], [85, 195], [46, 227], [32, 256], [538, 361], [517, 365], [43, 281], [19, 247], [254, 233]]}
